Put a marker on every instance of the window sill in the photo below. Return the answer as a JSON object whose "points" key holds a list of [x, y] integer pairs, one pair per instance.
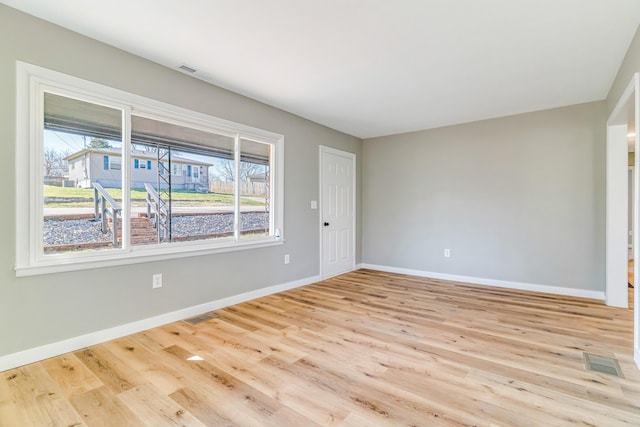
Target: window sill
{"points": [[140, 255]]}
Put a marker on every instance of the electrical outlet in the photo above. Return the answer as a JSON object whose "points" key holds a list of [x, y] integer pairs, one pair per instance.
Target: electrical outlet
{"points": [[286, 259], [157, 280], [447, 253]]}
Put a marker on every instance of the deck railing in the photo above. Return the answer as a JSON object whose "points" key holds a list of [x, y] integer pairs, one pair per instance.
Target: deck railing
{"points": [[106, 207]]}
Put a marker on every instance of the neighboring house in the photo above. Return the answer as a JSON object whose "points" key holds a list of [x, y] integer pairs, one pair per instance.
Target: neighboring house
{"points": [[258, 177], [104, 165]]}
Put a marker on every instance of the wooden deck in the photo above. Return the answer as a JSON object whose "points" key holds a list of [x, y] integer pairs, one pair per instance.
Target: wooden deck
{"points": [[362, 349]]}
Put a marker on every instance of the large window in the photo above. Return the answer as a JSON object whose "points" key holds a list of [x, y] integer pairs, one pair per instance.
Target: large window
{"points": [[110, 177]]}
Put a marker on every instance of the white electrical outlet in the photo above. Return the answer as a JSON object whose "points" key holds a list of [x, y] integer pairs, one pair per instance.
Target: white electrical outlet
{"points": [[157, 281], [314, 204], [447, 253], [286, 259]]}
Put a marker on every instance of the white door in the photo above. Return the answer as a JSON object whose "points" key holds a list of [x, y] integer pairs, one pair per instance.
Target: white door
{"points": [[337, 211]]}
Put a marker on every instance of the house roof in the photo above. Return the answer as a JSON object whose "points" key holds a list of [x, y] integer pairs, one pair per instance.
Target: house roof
{"points": [[375, 67], [135, 154], [258, 177]]}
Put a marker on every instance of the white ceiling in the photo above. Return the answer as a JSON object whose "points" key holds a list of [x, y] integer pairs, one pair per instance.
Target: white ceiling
{"points": [[374, 67]]}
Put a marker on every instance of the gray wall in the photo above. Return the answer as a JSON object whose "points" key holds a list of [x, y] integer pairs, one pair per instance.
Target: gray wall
{"points": [[630, 65], [517, 198], [44, 309]]}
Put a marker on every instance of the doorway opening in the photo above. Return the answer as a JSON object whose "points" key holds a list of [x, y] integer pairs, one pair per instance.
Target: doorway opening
{"points": [[621, 131]]}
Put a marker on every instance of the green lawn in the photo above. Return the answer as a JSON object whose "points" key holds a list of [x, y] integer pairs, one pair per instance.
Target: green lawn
{"points": [[182, 197]]}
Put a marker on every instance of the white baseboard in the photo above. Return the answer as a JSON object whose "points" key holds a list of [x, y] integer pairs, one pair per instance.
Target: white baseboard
{"points": [[490, 282], [36, 354]]}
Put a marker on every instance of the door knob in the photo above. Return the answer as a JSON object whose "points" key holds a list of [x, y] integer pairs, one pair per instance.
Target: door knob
{"points": [[326, 224]]}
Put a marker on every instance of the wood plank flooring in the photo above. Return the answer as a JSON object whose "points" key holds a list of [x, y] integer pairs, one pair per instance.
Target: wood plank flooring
{"points": [[362, 349]]}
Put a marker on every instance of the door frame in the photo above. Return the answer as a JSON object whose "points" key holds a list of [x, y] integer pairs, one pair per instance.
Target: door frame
{"points": [[324, 149], [632, 169], [617, 209]]}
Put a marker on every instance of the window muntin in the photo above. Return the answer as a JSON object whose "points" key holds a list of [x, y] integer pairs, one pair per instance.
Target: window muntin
{"points": [[33, 83]]}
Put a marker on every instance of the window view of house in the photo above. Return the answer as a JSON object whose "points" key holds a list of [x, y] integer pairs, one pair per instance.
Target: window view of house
{"points": [[82, 144], [182, 181]]}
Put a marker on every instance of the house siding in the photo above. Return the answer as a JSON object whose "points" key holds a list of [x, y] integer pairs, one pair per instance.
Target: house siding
{"points": [[112, 178]]}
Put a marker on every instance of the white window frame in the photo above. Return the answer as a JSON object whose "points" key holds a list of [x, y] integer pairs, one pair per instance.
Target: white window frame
{"points": [[32, 81]]}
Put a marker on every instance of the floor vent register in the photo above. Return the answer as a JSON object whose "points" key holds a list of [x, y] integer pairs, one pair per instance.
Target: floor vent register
{"points": [[604, 365], [202, 318]]}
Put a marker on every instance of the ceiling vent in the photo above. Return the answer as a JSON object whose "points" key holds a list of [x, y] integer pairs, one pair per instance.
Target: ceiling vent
{"points": [[187, 69]]}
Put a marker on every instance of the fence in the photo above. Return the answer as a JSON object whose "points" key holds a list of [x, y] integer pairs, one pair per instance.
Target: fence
{"points": [[258, 189]]}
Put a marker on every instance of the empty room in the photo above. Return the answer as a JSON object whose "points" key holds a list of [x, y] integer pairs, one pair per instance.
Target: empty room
{"points": [[319, 213]]}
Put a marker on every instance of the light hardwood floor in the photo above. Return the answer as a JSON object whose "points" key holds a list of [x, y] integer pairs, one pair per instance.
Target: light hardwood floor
{"points": [[362, 349]]}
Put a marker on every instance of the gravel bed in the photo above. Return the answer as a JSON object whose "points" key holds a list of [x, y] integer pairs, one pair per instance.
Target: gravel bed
{"points": [[189, 225], [64, 232]]}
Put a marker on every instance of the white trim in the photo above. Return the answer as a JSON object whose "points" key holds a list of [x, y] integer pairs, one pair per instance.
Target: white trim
{"points": [[632, 169], [30, 259], [125, 184], [636, 356], [144, 106], [583, 293], [617, 214], [352, 156], [627, 109], [148, 254], [36, 354], [617, 195], [236, 186]]}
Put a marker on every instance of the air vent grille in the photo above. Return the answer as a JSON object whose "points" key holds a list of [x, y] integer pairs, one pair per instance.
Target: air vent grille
{"points": [[187, 69], [604, 365], [202, 318]]}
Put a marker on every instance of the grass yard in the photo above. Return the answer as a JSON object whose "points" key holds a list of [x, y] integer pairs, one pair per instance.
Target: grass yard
{"points": [[182, 197]]}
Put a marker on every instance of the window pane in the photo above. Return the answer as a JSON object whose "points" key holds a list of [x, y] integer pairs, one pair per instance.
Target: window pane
{"points": [[255, 194], [82, 146], [173, 201]]}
